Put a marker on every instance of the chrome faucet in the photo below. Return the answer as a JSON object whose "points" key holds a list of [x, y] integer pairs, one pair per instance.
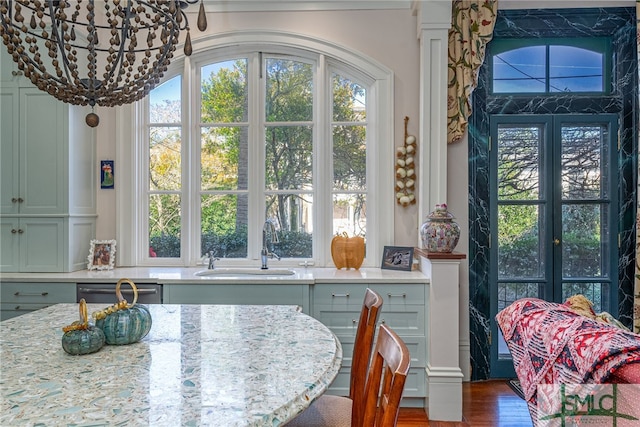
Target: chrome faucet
{"points": [[268, 229], [212, 260]]}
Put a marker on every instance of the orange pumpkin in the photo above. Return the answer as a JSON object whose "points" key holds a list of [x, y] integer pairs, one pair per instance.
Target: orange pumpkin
{"points": [[347, 252]]}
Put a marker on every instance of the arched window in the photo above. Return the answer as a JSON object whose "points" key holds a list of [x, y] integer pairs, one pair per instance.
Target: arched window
{"points": [[239, 141]]}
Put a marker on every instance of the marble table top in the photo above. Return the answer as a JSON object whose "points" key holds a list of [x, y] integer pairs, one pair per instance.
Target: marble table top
{"points": [[200, 365]]}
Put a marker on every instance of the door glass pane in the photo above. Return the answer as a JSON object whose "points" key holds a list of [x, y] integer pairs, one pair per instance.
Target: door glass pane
{"points": [[508, 292], [520, 241], [585, 237], [585, 163], [292, 216], [596, 292], [224, 222], [519, 152]]}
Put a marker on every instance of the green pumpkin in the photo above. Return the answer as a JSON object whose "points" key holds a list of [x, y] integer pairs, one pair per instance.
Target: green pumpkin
{"points": [[80, 337], [126, 326], [124, 323], [83, 341]]}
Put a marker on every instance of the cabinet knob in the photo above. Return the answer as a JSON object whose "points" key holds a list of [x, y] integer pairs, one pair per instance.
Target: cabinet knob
{"points": [[14, 231], [14, 200], [15, 73], [20, 231]]}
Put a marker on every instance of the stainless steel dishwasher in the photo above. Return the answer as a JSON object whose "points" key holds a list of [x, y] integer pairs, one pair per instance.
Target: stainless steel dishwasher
{"points": [[148, 293]]}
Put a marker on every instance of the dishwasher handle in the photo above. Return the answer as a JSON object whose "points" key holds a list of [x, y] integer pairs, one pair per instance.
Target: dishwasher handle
{"points": [[111, 291]]}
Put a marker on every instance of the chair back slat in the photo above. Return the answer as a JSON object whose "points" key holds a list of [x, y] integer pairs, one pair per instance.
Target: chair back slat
{"points": [[362, 347], [385, 381]]}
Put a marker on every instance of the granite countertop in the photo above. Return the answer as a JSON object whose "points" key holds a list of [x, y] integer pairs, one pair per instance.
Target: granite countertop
{"points": [[217, 365], [163, 275]]}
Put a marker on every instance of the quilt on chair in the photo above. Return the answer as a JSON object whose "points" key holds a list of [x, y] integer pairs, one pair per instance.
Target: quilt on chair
{"points": [[551, 344]]}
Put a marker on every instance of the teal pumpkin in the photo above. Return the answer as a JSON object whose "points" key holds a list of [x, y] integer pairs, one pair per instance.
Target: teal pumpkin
{"points": [[126, 326], [124, 323], [83, 341], [80, 337]]}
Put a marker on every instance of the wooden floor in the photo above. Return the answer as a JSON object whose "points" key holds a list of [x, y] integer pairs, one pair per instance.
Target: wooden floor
{"points": [[485, 404]]}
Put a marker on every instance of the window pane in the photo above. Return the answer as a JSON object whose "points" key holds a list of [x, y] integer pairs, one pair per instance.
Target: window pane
{"points": [[584, 163], [164, 102], [289, 91], [519, 158], [223, 158], [350, 214], [596, 292], [293, 217], [520, 70], [224, 225], [164, 158], [349, 158], [573, 69], [585, 238], [349, 100], [288, 158], [224, 92], [520, 251], [164, 225]]}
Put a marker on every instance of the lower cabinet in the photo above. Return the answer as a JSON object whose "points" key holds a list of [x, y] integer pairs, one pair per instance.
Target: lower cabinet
{"points": [[338, 306], [19, 298]]}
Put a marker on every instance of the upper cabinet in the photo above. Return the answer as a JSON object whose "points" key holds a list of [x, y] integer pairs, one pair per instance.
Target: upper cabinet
{"points": [[48, 173]]}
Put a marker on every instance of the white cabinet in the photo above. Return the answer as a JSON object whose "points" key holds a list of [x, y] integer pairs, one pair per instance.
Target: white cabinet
{"points": [[19, 298], [47, 179], [338, 306]]}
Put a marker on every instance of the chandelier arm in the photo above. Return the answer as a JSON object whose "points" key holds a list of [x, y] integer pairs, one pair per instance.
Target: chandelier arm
{"points": [[59, 41]]}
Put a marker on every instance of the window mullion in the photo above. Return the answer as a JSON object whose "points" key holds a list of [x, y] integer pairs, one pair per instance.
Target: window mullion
{"points": [[256, 112], [323, 175]]}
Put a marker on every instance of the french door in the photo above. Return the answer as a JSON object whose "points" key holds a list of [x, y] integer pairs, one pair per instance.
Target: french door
{"points": [[554, 214]]}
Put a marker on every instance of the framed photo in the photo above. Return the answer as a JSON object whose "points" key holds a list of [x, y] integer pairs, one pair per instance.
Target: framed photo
{"points": [[397, 258], [102, 255]]}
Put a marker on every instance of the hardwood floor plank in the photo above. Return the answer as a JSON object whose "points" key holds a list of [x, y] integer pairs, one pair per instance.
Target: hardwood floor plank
{"points": [[485, 404]]}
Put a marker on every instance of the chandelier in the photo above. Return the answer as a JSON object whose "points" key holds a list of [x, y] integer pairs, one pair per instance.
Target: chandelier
{"points": [[86, 52]]}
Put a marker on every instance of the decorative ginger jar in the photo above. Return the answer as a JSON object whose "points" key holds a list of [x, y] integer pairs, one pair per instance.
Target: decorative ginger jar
{"points": [[440, 232]]}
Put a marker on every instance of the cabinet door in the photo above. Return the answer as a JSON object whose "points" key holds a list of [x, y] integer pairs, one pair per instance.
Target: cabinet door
{"points": [[9, 155], [42, 245], [9, 245], [43, 168]]}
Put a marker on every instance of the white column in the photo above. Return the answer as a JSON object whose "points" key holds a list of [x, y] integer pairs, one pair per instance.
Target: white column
{"points": [[433, 23], [444, 376]]}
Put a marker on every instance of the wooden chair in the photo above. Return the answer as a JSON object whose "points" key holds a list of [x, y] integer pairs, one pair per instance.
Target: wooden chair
{"points": [[389, 368], [338, 411]]}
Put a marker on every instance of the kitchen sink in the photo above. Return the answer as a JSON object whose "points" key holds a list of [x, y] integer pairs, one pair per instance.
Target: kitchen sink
{"points": [[221, 272]]}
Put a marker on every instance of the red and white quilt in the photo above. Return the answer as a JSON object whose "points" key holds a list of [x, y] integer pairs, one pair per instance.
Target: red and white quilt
{"points": [[551, 344]]}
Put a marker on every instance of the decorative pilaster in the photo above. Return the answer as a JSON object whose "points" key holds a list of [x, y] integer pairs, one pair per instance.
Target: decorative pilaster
{"points": [[444, 376], [433, 23]]}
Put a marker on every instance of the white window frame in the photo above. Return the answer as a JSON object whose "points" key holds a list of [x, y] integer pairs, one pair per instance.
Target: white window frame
{"points": [[131, 156]]}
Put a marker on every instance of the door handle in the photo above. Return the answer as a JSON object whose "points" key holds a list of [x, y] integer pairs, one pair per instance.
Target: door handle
{"points": [[556, 242]]}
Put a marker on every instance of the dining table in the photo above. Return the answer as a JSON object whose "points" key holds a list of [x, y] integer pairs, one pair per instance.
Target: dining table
{"points": [[199, 365]]}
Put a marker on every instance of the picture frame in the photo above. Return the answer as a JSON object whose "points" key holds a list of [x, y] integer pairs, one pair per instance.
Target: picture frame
{"points": [[107, 174], [397, 258], [102, 255]]}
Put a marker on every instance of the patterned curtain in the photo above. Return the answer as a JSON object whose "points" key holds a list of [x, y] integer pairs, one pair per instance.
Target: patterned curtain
{"points": [[472, 25], [636, 305]]}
